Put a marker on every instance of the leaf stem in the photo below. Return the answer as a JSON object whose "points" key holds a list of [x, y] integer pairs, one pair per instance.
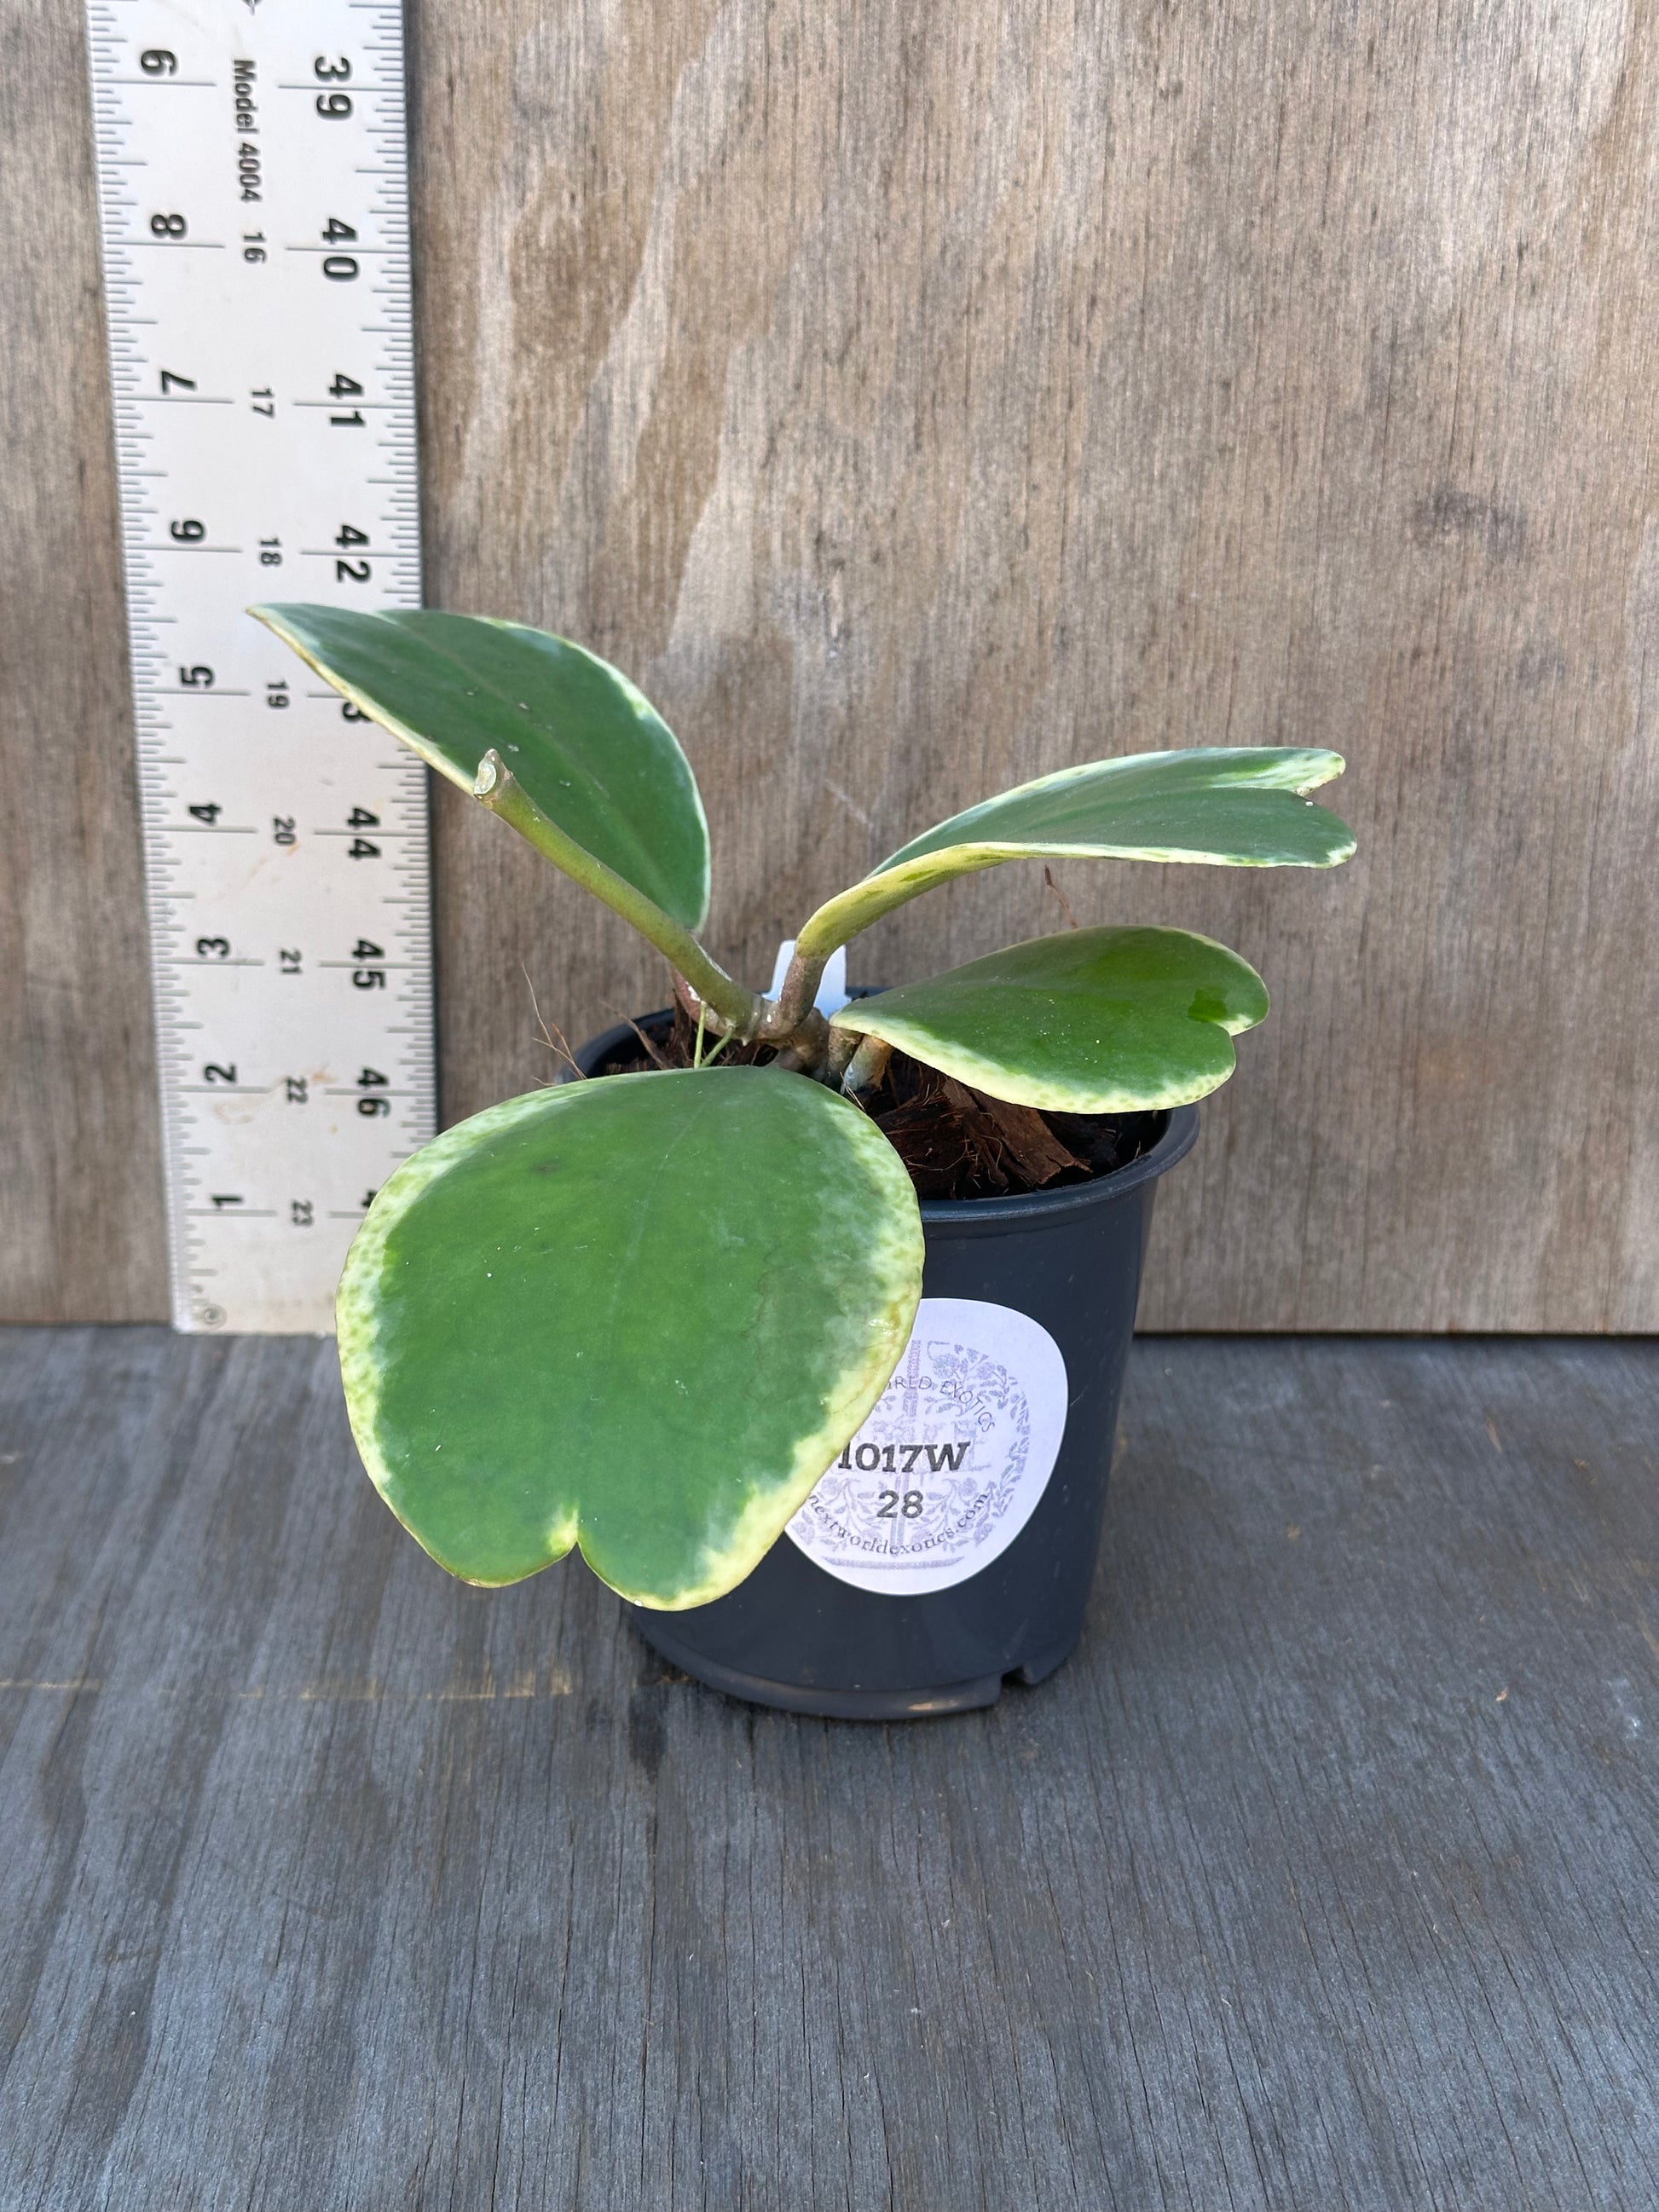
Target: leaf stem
{"points": [[867, 1065], [843, 916], [497, 788], [784, 1015], [806, 1049]]}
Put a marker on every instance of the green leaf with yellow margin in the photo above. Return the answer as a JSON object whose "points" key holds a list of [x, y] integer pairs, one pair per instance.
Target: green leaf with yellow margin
{"points": [[1228, 806], [589, 747], [640, 1314], [1092, 1021]]}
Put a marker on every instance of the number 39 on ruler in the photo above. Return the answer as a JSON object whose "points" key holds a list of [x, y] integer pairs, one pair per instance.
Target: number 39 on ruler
{"points": [[252, 179]]}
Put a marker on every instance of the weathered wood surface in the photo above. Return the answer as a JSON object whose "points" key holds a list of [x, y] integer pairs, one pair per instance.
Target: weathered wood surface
{"points": [[918, 399], [81, 1229], [1322, 1876]]}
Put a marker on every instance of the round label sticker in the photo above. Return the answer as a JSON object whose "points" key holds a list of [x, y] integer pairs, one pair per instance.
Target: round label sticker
{"points": [[948, 1468]]}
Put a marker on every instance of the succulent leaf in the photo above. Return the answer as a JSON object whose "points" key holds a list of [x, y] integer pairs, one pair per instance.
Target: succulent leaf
{"points": [[1091, 1021], [1237, 806], [588, 748], [641, 1314]]}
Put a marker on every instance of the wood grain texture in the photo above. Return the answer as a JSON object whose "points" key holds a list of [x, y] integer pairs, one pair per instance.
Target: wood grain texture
{"points": [[1322, 1876], [81, 1229], [917, 400]]}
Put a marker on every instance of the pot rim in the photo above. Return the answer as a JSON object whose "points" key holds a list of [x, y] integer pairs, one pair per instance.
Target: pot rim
{"points": [[964, 1216], [967, 1217]]}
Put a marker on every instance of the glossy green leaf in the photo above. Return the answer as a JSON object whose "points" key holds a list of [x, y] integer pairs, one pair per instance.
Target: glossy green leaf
{"points": [[586, 746], [1236, 806], [641, 1315], [1092, 1021]]}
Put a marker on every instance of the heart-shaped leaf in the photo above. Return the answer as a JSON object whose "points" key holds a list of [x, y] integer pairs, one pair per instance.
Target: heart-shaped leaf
{"points": [[588, 747], [1092, 1021], [641, 1315], [1238, 807]]}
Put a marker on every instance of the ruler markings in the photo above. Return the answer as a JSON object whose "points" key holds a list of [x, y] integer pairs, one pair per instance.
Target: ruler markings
{"points": [[289, 903]]}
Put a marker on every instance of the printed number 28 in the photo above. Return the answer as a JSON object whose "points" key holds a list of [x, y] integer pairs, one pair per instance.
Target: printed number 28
{"points": [[892, 1503]]}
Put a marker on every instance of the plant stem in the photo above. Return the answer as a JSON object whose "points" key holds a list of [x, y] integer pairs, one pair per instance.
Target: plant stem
{"points": [[843, 1043], [867, 1065], [784, 1015], [843, 916], [806, 1049], [497, 788]]}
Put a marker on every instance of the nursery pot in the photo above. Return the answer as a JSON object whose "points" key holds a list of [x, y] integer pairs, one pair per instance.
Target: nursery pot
{"points": [[954, 1542]]}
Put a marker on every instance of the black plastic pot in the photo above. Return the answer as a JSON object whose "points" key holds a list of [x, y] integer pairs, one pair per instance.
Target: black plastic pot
{"points": [[1064, 1264]]}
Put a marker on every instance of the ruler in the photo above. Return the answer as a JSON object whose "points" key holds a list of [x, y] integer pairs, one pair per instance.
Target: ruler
{"points": [[251, 172]]}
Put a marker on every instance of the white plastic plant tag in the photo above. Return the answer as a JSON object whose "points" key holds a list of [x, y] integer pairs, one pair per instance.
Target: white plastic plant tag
{"points": [[833, 993], [949, 1467]]}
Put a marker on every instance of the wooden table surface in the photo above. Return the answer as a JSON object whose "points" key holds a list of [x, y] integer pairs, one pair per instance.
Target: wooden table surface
{"points": [[1323, 1877]]}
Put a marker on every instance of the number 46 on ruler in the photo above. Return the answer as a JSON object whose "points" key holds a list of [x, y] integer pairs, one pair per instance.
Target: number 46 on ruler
{"points": [[251, 172]]}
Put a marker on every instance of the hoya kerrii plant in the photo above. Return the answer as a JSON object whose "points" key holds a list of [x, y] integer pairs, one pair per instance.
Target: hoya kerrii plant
{"points": [[644, 1315]]}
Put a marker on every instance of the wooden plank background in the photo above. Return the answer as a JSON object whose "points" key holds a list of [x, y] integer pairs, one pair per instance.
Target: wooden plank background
{"points": [[917, 399]]}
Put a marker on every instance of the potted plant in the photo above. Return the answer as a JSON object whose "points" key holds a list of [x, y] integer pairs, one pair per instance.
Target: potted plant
{"points": [[676, 1316]]}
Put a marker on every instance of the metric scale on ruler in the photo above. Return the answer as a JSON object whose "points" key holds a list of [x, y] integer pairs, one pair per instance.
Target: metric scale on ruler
{"points": [[252, 189]]}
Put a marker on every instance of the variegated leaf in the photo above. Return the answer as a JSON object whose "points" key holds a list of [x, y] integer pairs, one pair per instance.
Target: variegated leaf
{"points": [[1092, 1021], [641, 1314], [586, 746], [1230, 806]]}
